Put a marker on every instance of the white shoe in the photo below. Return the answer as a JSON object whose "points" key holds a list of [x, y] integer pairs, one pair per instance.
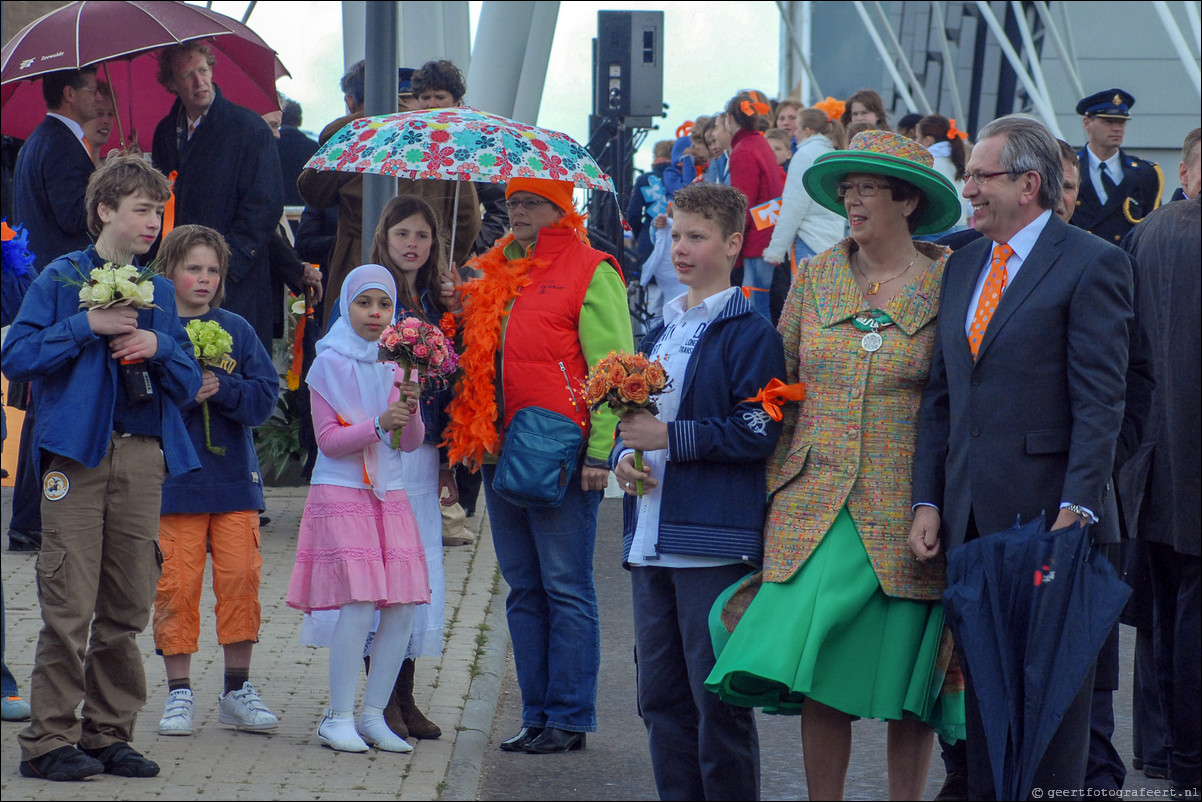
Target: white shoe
{"points": [[375, 731], [246, 711], [337, 731], [177, 715]]}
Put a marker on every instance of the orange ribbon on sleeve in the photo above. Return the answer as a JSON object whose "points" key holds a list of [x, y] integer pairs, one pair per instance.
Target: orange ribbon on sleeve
{"points": [[775, 394]]}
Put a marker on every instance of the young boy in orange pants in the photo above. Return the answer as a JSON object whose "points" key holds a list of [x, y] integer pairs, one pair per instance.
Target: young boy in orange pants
{"points": [[216, 508]]}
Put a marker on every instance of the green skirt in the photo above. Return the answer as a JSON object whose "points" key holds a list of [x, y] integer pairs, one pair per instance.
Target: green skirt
{"points": [[831, 634]]}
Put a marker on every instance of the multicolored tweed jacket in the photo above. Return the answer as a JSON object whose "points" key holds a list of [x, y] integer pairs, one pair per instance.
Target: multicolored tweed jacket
{"points": [[852, 440]]}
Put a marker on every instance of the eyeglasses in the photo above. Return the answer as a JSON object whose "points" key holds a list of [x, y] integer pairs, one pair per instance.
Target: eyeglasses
{"points": [[981, 179], [529, 204], [865, 189]]}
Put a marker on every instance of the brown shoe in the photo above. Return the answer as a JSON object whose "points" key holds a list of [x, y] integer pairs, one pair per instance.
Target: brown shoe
{"points": [[419, 726]]}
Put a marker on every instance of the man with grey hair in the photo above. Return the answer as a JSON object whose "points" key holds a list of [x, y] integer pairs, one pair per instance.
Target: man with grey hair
{"points": [[1025, 397]]}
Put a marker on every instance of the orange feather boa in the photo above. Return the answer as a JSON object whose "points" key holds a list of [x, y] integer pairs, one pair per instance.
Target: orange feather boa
{"points": [[474, 427]]}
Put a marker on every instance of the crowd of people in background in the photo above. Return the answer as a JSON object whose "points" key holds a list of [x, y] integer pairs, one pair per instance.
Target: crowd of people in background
{"points": [[785, 554]]}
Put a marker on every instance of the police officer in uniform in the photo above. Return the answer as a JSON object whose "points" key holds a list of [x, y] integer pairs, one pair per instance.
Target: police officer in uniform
{"points": [[1117, 189]]}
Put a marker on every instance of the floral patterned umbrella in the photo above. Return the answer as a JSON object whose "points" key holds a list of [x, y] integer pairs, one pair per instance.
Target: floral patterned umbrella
{"points": [[458, 144]]}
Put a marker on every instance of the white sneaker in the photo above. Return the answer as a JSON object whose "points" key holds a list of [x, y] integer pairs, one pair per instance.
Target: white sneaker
{"points": [[246, 711], [337, 731], [177, 715], [375, 731]]}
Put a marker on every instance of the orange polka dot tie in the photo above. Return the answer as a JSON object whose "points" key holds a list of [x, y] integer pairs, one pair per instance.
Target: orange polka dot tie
{"points": [[991, 294]]}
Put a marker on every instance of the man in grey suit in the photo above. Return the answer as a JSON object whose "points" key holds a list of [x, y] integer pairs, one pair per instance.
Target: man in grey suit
{"points": [[1025, 398]]}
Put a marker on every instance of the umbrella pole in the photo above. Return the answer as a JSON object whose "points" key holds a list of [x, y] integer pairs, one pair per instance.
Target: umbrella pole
{"points": [[454, 223], [116, 106]]}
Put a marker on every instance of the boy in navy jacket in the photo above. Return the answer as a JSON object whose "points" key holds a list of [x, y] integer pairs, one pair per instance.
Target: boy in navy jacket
{"points": [[104, 451], [214, 510], [698, 527]]}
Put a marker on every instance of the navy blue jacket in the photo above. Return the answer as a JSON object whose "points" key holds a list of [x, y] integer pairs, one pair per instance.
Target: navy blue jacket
{"points": [[248, 387], [715, 486], [75, 378], [1135, 196], [229, 180], [48, 191]]}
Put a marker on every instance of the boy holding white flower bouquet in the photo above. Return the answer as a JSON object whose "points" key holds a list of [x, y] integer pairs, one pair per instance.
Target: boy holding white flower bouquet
{"points": [[110, 365], [216, 508]]}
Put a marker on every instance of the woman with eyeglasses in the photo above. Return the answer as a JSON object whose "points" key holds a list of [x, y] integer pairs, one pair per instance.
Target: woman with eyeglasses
{"points": [[843, 622], [546, 308]]}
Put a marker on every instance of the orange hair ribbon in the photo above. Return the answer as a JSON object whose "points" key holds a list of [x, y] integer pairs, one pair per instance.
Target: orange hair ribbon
{"points": [[776, 393], [684, 129], [756, 108], [952, 133], [834, 108]]}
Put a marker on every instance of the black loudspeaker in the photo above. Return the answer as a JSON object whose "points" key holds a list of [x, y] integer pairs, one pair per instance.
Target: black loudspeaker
{"points": [[629, 63]]}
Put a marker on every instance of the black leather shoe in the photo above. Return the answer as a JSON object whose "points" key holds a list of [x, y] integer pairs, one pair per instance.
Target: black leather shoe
{"points": [[518, 742], [64, 764], [554, 740], [121, 760], [24, 540]]}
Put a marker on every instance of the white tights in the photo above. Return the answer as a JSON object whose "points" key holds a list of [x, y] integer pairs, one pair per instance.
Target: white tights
{"points": [[388, 651]]}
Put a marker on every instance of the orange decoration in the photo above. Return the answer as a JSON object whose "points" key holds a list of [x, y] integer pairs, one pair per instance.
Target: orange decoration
{"points": [[756, 108], [472, 431], [952, 133], [169, 207], [834, 108], [684, 129], [777, 393]]}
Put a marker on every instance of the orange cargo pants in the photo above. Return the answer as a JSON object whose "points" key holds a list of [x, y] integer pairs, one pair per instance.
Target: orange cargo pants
{"points": [[233, 540]]}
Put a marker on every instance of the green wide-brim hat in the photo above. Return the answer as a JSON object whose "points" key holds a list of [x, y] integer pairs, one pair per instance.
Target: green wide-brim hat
{"points": [[886, 153]]}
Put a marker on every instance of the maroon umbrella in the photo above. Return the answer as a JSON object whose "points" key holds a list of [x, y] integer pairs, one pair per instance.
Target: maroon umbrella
{"points": [[123, 37]]}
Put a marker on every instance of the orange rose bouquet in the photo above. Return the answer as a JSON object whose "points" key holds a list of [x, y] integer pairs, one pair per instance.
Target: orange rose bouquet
{"points": [[626, 383]]}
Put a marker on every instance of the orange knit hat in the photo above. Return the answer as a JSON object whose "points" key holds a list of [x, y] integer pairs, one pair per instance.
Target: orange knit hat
{"points": [[558, 192]]}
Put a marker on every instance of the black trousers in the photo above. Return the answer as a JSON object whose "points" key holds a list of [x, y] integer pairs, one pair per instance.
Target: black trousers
{"points": [[1177, 596]]}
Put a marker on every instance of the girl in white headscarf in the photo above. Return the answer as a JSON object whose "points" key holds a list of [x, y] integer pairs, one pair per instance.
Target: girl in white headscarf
{"points": [[359, 549]]}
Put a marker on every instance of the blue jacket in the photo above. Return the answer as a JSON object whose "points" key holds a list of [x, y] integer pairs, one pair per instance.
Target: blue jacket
{"points": [[249, 386], [74, 377], [50, 180], [715, 488]]}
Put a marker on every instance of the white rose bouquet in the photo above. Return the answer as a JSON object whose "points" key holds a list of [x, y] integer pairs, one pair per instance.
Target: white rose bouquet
{"points": [[117, 285]]}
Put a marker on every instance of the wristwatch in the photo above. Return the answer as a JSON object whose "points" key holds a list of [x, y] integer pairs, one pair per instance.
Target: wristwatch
{"points": [[1079, 511]]}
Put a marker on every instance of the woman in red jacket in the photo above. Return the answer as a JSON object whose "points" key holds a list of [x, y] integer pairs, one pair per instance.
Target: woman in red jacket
{"points": [[755, 173]]}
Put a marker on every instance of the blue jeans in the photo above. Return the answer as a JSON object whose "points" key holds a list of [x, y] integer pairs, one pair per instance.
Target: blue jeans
{"points": [[546, 556], [757, 276], [801, 250]]}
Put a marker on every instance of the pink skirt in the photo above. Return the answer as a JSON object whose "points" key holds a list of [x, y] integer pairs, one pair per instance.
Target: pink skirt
{"points": [[353, 547]]}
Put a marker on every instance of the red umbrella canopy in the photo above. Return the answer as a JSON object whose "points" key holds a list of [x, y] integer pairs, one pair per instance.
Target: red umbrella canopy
{"points": [[125, 35]]}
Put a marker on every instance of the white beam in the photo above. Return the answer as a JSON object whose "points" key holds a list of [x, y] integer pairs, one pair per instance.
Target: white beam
{"points": [[898, 83], [1179, 43], [1024, 30], [903, 60], [949, 66], [1046, 112], [1066, 58], [796, 43]]}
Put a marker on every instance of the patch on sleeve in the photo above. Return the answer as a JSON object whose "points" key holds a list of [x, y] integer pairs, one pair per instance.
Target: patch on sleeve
{"points": [[55, 486], [757, 421]]}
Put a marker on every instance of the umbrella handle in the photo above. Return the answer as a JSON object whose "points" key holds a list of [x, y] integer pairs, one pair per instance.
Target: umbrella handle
{"points": [[116, 106], [454, 222]]}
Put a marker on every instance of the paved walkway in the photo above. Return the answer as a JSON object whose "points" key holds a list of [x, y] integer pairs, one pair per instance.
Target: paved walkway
{"points": [[458, 692]]}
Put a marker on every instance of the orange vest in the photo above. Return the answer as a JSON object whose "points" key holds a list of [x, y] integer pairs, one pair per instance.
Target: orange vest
{"points": [[542, 363]]}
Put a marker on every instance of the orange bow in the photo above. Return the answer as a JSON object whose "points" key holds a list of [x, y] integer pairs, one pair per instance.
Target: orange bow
{"points": [[952, 133], [776, 393], [6, 233], [752, 109], [685, 128], [833, 108]]}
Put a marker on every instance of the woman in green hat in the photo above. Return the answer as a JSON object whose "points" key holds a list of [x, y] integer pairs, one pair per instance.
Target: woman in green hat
{"points": [[843, 622]]}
